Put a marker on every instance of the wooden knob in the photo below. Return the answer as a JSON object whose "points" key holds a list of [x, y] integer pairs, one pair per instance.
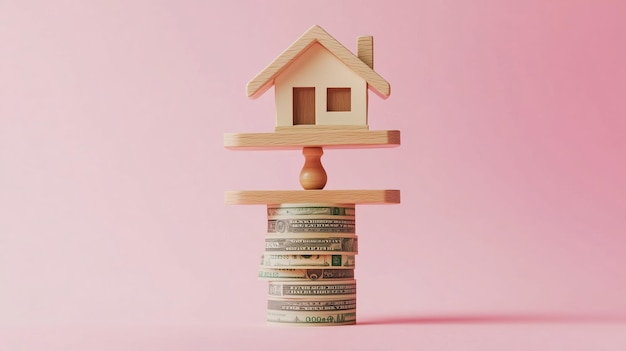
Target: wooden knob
{"points": [[313, 175]]}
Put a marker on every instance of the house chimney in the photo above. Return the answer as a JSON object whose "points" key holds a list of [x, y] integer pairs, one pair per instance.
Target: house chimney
{"points": [[365, 50]]}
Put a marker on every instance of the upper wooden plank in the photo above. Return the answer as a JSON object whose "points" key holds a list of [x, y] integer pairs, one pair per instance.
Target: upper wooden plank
{"points": [[322, 138], [265, 79]]}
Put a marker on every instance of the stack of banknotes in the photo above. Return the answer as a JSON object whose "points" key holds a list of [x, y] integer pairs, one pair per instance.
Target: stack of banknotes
{"points": [[309, 262]]}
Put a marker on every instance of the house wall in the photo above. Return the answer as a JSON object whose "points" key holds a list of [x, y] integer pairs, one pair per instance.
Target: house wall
{"points": [[318, 68]]}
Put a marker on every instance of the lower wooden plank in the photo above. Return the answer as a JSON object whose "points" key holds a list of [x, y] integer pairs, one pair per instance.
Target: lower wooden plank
{"points": [[260, 197]]}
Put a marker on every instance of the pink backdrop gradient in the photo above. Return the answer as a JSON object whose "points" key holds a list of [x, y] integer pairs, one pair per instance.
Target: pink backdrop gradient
{"points": [[512, 229]]}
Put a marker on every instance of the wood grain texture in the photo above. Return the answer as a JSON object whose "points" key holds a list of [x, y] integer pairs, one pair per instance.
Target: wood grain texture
{"points": [[303, 106], [338, 99], [264, 80], [313, 176], [334, 139], [264, 197], [307, 128], [365, 50]]}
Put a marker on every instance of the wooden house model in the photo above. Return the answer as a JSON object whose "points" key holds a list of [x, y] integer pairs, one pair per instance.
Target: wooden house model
{"points": [[320, 84]]}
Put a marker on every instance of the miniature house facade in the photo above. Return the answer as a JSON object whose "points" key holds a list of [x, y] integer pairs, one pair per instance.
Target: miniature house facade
{"points": [[320, 84], [318, 89]]}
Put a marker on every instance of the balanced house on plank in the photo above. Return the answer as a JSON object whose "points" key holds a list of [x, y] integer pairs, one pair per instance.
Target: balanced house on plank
{"points": [[321, 91]]}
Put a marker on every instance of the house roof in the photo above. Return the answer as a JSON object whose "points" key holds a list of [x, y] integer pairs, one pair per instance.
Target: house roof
{"points": [[265, 79]]}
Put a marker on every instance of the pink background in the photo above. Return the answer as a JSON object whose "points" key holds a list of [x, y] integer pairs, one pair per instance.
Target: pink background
{"points": [[512, 229]]}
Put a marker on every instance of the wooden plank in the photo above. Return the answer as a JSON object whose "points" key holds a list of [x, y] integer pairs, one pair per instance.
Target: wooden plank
{"points": [[260, 197], [322, 138]]}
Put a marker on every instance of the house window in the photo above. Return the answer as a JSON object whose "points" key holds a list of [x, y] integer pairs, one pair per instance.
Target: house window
{"points": [[338, 99]]}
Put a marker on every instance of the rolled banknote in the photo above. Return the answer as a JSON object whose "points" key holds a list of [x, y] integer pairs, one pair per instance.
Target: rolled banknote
{"points": [[305, 274], [310, 225], [308, 261], [318, 289], [312, 318], [310, 209], [310, 245], [309, 305]]}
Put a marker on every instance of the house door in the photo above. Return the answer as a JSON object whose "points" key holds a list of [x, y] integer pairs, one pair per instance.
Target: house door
{"points": [[303, 106]]}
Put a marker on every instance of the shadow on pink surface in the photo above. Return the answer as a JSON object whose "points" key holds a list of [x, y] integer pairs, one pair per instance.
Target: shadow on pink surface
{"points": [[499, 318]]}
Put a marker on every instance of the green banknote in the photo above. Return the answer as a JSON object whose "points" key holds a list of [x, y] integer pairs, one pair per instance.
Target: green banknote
{"points": [[311, 245], [307, 261], [311, 225], [312, 318], [305, 274]]}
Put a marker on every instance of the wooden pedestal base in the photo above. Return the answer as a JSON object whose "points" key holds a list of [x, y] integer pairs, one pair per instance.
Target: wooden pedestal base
{"points": [[313, 176]]}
